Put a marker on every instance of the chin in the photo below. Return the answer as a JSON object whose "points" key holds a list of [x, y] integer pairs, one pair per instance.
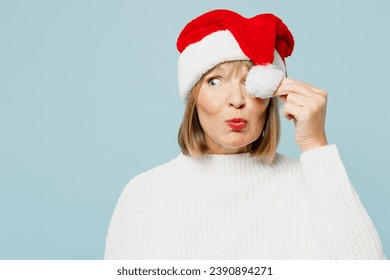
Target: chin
{"points": [[242, 146], [238, 141]]}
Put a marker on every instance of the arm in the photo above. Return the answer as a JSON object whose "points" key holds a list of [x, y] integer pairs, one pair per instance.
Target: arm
{"points": [[121, 242], [111, 253], [341, 225]]}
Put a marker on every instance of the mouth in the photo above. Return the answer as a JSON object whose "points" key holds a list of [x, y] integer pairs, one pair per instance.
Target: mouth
{"points": [[237, 124]]}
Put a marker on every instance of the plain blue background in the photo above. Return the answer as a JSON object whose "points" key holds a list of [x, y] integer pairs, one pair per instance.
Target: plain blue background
{"points": [[89, 99]]}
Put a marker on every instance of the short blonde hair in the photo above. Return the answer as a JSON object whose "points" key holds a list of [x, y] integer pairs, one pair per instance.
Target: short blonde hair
{"points": [[191, 136]]}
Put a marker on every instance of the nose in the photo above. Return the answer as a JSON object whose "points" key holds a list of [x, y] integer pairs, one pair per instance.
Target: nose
{"points": [[237, 95]]}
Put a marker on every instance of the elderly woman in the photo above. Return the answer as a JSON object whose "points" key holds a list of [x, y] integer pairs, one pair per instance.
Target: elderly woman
{"points": [[229, 195]]}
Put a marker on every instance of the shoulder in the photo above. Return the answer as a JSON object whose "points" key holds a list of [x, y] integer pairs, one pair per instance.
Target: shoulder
{"points": [[171, 168], [157, 176]]}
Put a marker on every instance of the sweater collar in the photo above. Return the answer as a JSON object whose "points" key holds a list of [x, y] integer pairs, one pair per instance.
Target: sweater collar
{"points": [[242, 164]]}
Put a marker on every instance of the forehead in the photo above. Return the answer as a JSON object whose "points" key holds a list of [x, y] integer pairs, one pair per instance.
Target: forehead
{"points": [[232, 67]]}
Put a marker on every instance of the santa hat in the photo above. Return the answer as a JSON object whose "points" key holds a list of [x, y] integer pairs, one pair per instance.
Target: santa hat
{"points": [[222, 35]]}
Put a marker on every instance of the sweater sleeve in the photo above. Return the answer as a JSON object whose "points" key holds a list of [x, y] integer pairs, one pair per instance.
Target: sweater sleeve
{"points": [[111, 253], [339, 220], [121, 241]]}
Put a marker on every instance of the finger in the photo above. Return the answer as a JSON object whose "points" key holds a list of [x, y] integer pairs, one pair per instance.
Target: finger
{"points": [[296, 111], [310, 86], [287, 115], [289, 85], [283, 97], [298, 99], [302, 100]]}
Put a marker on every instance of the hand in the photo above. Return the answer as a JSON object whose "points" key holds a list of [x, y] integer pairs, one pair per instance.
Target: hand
{"points": [[306, 105]]}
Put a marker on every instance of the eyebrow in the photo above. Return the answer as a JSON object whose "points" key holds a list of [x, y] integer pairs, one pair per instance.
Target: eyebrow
{"points": [[223, 71], [218, 69]]}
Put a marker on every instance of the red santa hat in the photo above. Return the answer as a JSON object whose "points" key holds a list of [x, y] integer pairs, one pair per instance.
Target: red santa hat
{"points": [[222, 35]]}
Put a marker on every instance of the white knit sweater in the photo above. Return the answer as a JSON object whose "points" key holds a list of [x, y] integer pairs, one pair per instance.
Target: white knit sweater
{"points": [[237, 207]]}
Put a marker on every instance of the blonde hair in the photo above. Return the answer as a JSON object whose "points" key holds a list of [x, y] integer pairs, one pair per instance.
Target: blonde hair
{"points": [[191, 136]]}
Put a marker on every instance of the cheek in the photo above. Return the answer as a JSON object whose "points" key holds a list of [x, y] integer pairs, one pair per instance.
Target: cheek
{"points": [[209, 106], [209, 119], [259, 108], [258, 117]]}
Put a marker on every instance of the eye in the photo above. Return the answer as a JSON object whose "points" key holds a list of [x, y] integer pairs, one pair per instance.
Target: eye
{"points": [[214, 82]]}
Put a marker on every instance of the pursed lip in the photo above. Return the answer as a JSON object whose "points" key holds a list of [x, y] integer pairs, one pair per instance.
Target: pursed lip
{"points": [[237, 123]]}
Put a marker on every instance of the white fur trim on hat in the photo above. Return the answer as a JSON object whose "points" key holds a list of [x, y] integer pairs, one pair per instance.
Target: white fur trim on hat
{"points": [[201, 56]]}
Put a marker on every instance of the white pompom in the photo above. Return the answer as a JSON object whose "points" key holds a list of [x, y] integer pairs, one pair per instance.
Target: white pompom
{"points": [[263, 80]]}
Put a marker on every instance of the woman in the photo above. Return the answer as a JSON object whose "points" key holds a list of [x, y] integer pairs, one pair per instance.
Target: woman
{"points": [[229, 195]]}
